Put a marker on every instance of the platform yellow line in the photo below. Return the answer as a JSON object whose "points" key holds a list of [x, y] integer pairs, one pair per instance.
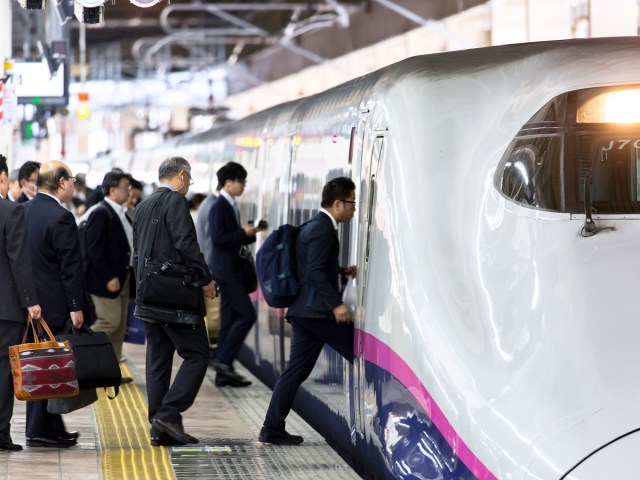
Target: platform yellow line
{"points": [[123, 432]]}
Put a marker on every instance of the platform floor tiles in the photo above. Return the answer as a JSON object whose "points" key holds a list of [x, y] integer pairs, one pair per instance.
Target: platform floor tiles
{"points": [[114, 440]]}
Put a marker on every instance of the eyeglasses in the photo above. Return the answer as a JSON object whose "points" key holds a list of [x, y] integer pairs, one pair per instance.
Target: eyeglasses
{"points": [[352, 202], [191, 182], [69, 177]]}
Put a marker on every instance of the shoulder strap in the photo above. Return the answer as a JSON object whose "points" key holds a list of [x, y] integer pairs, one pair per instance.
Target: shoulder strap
{"points": [[155, 219]]}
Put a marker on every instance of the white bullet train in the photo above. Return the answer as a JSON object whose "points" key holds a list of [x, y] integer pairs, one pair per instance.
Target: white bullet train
{"points": [[497, 236]]}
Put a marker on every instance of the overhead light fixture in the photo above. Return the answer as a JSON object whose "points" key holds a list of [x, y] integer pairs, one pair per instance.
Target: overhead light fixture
{"points": [[145, 3], [33, 4], [89, 11]]}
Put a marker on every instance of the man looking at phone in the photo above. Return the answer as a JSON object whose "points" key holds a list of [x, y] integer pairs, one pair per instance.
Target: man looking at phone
{"points": [[237, 313]]}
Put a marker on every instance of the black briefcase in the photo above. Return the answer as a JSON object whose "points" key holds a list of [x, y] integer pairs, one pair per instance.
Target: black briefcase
{"points": [[96, 361]]}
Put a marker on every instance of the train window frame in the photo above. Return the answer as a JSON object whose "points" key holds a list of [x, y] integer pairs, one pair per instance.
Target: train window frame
{"points": [[615, 186]]}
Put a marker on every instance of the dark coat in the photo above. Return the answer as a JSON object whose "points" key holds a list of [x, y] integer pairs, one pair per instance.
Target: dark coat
{"points": [[22, 198], [175, 238], [227, 238], [17, 290], [317, 267], [52, 237], [108, 250]]}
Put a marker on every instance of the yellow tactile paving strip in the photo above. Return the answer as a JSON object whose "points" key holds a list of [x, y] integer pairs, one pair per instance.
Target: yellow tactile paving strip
{"points": [[123, 435]]}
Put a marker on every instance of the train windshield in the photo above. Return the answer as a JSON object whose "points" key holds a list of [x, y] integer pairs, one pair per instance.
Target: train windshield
{"points": [[592, 133]]}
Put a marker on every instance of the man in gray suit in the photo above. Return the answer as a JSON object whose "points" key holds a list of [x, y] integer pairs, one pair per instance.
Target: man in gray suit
{"points": [[17, 295]]}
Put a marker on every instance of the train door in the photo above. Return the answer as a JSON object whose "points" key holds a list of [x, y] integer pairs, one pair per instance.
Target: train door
{"points": [[373, 146]]}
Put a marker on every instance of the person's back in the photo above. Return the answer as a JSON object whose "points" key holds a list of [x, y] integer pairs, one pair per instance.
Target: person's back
{"points": [[168, 235], [317, 315]]}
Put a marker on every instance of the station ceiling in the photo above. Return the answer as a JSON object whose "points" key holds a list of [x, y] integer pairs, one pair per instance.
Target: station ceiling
{"points": [[179, 35]]}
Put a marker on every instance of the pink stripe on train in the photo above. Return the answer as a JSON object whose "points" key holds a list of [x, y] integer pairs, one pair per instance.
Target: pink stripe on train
{"points": [[382, 355]]}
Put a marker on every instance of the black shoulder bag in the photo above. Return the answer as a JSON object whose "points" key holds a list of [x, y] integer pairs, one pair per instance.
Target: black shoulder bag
{"points": [[169, 292]]}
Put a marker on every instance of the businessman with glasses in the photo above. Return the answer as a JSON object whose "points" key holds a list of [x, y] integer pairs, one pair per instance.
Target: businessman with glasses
{"points": [[52, 238]]}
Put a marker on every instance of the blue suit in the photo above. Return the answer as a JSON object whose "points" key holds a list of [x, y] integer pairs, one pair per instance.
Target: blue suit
{"points": [[311, 317], [52, 236], [237, 314]]}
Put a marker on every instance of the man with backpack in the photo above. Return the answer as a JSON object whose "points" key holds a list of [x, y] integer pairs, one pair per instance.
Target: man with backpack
{"points": [[108, 244], [317, 315]]}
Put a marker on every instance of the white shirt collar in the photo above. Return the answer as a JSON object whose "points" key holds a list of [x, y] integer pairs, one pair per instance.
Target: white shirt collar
{"points": [[166, 185], [333, 220], [54, 197], [229, 198], [119, 209]]}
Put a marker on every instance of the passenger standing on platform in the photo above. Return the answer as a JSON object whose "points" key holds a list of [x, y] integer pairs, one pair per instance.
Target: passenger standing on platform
{"points": [[109, 244], [28, 178], [14, 189], [317, 315], [17, 296], [203, 232], [52, 237], [175, 240], [228, 235]]}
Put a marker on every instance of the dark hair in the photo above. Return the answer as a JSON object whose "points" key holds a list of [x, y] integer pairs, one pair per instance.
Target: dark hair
{"points": [[170, 167], [136, 184], [3, 164], [231, 171], [112, 180], [51, 180], [337, 189], [27, 169]]}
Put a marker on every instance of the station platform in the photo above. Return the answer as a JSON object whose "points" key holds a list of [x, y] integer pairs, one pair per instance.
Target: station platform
{"points": [[114, 439]]}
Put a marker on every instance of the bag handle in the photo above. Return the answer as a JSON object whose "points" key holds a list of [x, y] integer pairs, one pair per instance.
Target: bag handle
{"points": [[154, 224], [41, 324]]}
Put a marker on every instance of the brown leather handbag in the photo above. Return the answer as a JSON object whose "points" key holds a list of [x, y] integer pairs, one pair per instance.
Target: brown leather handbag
{"points": [[43, 369]]}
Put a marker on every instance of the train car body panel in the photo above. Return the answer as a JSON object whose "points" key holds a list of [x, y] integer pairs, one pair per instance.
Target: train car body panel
{"points": [[493, 340]]}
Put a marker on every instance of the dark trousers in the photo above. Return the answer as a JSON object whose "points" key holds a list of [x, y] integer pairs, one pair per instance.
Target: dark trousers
{"points": [[41, 423], [237, 316], [168, 400], [308, 337], [10, 334]]}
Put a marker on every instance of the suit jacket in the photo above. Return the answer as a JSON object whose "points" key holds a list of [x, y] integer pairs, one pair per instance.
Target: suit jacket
{"points": [[22, 198], [52, 237], [175, 237], [17, 290], [107, 249], [203, 232], [227, 238], [317, 267]]}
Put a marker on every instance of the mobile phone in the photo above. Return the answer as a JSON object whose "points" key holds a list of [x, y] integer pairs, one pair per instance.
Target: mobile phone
{"points": [[263, 224]]}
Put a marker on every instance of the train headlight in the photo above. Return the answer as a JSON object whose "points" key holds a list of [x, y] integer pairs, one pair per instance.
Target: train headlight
{"points": [[617, 106]]}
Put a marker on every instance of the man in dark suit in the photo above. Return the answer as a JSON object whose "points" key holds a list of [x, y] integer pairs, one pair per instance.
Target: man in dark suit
{"points": [[28, 178], [109, 244], [237, 313], [52, 238], [317, 315], [174, 241], [17, 295]]}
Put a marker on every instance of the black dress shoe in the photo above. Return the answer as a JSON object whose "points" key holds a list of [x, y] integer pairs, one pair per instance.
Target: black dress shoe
{"points": [[69, 435], [267, 435], [7, 444], [164, 440], [50, 442], [126, 380], [174, 430], [224, 381]]}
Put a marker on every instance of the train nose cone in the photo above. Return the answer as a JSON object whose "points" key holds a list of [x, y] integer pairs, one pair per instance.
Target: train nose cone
{"points": [[618, 459]]}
